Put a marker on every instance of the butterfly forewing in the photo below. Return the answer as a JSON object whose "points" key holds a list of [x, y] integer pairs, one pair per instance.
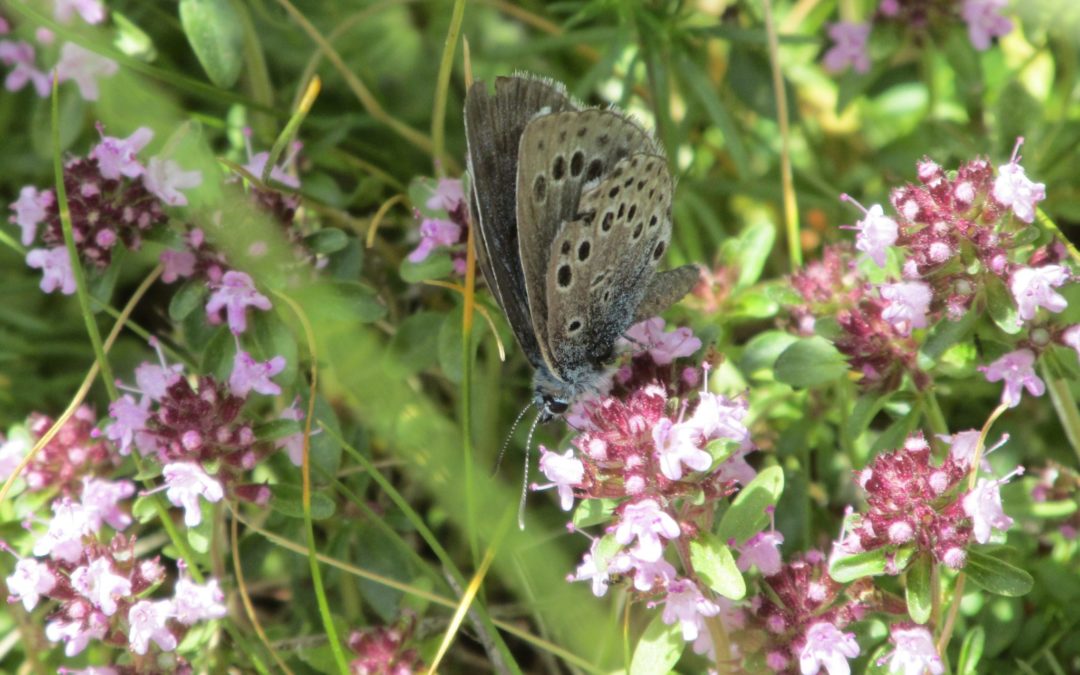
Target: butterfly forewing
{"points": [[494, 124], [602, 262], [560, 155]]}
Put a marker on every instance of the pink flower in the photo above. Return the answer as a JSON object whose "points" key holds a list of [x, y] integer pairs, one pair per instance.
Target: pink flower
{"points": [[646, 522], [826, 647], [1012, 188], [448, 195], [647, 575], [55, 265], [64, 539], [849, 47], [21, 55], [100, 585], [1033, 287], [876, 232], [435, 232], [677, 444], [565, 473], [685, 603], [1071, 338], [12, 451], [256, 163], [154, 379], [598, 564], [185, 483], [983, 506], [235, 294], [100, 500], [117, 157], [83, 67], [29, 211], [176, 264], [293, 445], [962, 447], [915, 652], [193, 603], [717, 417], [763, 550], [984, 22], [76, 634], [148, 620], [907, 303], [31, 580], [249, 374], [1016, 369], [165, 179], [663, 347], [91, 11], [131, 419]]}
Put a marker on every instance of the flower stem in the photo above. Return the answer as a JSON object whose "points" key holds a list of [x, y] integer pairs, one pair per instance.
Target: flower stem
{"points": [[73, 253], [1065, 405], [442, 86], [305, 470], [981, 444], [954, 609], [935, 419], [791, 209]]}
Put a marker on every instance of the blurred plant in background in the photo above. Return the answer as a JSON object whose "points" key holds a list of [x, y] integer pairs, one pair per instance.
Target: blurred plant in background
{"points": [[246, 362]]}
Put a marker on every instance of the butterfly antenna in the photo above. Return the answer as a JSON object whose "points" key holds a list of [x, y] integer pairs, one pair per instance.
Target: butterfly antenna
{"points": [[506, 443], [525, 478]]}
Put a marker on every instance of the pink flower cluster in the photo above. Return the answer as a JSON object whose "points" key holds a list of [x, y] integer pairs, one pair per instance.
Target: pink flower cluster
{"points": [[850, 40], [383, 650], [661, 461], [75, 64], [100, 587], [924, 508], [191, 427], [448, 232], [60, 463], [112, 197]]}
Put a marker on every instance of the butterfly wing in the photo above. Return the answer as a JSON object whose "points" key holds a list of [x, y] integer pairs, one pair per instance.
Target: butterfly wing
{"points": [[493, 127], [665, 289], [603, 261], [561, 155]]}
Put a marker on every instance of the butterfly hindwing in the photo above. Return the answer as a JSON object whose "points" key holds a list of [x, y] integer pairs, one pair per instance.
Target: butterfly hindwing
{"points": [[494, 124], [603, 261]]}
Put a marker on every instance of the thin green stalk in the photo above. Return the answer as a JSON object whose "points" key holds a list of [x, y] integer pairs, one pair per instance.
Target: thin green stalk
{"points": [[311, 92], [442, 85], [9, 241], [305, 469], [934, 417], [73, 253], [787, 182], [1065, 406]]}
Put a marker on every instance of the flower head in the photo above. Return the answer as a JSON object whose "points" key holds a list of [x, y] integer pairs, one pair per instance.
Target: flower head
{"points": [[915, 652], [30, 580], [849, 47], [762, 550], [984, 21], [679, 444], [55, 264], [1012, 188], [686, 605], [116, 157], [100, 499], [21, 55], [907, 303], [83, 67], [148, 620], [646, 522], [876, 232], [1033, 287], [1017, 370], [662, 347], [165, 179], [826, 647], [235, 294], [564, 471], [983, 506], [193, 602], [100, 584], [251, 375], [91, 11], [30, 209], [435, 232], [185, 483]]}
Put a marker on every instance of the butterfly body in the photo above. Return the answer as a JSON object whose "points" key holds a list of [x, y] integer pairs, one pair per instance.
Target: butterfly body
{"points": [[573, 212]]}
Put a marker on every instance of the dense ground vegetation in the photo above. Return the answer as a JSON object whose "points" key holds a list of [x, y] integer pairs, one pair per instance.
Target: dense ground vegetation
{"points": [[253, 384]]}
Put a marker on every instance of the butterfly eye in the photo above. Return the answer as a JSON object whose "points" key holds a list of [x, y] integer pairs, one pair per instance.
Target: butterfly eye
{"points": [[556, 407]]}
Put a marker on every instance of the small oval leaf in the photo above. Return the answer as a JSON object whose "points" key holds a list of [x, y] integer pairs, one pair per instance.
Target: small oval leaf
{"points": [[659, 648], [713, 562], [918, 591], [810, 362], [216, 35], [749, 514], [995, 575]]}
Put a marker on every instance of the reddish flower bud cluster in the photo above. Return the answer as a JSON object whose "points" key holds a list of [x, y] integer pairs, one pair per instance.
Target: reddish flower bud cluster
{"points": [[69, 455], [382, 650]]}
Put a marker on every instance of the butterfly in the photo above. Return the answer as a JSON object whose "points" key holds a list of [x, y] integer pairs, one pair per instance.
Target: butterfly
{"points": [[573, 212]]}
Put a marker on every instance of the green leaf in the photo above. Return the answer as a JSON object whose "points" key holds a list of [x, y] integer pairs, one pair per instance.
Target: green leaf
{"points": [[274, 338], [450, 347], [277, 429], [810, 362], [327, 241], [864, 411], [659, 648], [894, 436], [186, 300], [1001, 306], [748, 514], [971, 651], [216, 34], [713, 562], [947, 333], [199, 537], [762, 351], [438, 265], [220, 354], [754, 245], [704, 90], [918, 591], [995, 575], [859, 565], [593, 512], [354, 301], [288, 501], [415, 344]]}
